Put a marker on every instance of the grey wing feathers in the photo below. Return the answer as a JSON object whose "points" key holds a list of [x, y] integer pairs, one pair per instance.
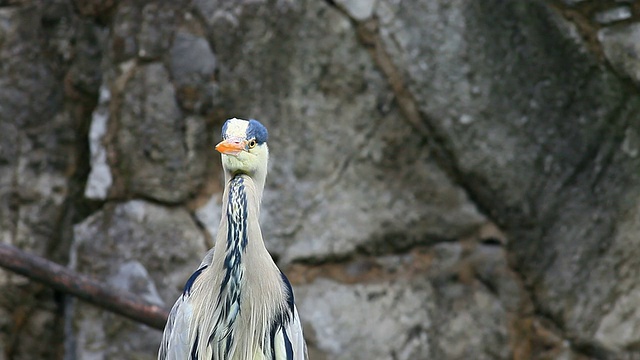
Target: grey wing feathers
{"points": [[294, 332], [291, 344], [208, 258], [175, 337]]}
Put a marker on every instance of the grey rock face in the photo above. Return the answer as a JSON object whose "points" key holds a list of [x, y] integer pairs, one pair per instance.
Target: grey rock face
{"points": [[139, 247], [193, 67], [553, 183], [448, 179], [411, 309], [38, 159], [324, 164], [153, 156], [615, 14], [33, 169], [392, 311], [621, 48], [100, 178]]}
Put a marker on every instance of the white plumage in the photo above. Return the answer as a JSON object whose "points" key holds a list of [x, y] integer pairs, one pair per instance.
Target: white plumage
{"points": [[238, 305]]}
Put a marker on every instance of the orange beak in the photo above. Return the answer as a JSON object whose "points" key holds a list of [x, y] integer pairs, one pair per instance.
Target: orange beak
{"points": [[231, 146]]}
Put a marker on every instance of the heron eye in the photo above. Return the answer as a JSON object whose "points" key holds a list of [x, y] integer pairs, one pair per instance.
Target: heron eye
{"points": [[252, 143]]}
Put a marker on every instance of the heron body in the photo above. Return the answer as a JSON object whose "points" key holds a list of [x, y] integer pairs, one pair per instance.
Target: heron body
{"points": [[237, 305]]}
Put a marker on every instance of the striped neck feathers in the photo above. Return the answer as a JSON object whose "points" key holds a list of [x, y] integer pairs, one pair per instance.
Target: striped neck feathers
{"points": [[229, 297], [237, 236], [236, 213]]}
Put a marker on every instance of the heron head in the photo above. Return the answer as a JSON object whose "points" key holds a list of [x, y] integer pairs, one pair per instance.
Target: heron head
{"points": [[244, 148]]}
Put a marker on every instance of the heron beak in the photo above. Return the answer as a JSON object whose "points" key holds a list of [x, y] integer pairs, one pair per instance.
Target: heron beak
{"points": [[232, 146]]}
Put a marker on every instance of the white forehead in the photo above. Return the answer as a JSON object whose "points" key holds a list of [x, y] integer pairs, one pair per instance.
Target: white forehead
{"points": [[236, 128]]}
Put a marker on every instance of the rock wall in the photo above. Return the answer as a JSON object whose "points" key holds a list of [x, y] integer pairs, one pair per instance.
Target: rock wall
{"points": [[448, 179]]}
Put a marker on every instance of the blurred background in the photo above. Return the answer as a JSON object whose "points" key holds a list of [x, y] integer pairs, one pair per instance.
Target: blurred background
{"points": [[449, 179]]}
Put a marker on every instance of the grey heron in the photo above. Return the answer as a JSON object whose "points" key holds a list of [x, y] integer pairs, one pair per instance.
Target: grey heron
{"points": [[237, 305]]}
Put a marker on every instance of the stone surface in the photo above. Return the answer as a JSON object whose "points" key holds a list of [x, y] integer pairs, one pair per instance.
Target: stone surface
{"points": [[388, 312], [387, 214], [193, 66], [622, 50], [614, 14], [423, 305], [156, 29], [94, 7], [159, 152], [33, 169], [139, 247], [358, 9], [545, 161], [449, 179], [100, 178], [191, 57], [39, 159]]}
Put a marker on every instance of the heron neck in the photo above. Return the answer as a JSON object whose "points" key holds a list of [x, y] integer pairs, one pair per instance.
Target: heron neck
{"points": [[241, 210], [237, 214], [254, 185], [250, 284]]}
